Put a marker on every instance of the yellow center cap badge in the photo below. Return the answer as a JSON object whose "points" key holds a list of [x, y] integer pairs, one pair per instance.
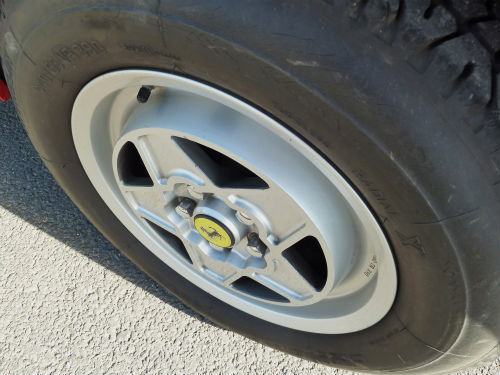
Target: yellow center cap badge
{"points": [[213, 231]]}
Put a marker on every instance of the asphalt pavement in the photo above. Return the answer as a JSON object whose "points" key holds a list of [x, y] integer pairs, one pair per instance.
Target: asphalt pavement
{"points": [[70, 303]]}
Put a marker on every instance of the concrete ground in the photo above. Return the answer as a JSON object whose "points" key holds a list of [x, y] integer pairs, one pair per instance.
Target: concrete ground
{"points": [[70, 303]]}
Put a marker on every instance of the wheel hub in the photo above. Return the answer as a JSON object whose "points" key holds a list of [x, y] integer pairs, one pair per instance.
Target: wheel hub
{"points": [[214, 231], [217, 223]]}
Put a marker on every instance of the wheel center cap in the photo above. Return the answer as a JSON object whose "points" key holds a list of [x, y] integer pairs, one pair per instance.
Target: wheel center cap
{"points": [[213, 231]]}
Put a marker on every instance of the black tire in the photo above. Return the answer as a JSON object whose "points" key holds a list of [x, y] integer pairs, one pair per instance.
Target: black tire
{"points": [[402, 97]]}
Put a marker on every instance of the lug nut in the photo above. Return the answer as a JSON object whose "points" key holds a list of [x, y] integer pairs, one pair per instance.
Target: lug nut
{"points": [[255, 246], [185, 208], [144, 93], [192, 192], [244, 218]]}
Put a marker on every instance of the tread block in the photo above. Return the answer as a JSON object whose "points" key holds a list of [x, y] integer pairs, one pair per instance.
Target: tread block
{"points": [[496, 105], [495, 9], [469, 9], [417, 33], [381, 13], [449, 62], [489, 31]]}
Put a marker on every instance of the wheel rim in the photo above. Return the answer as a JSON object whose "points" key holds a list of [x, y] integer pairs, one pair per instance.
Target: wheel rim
{"points": [[233, 201]]}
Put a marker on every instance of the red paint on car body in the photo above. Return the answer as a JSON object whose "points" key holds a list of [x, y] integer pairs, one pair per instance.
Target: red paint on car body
{"points": [[4, 92]]}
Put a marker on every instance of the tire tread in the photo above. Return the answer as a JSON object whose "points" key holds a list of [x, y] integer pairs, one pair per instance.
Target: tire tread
{"points": [[455, 45]]}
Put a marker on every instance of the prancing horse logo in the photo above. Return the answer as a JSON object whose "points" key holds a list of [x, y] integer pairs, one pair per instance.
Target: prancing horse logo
{"points": [[213, 233]]}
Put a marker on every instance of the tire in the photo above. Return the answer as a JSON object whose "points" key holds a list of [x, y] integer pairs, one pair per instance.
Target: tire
{"points": [[401, 97]]}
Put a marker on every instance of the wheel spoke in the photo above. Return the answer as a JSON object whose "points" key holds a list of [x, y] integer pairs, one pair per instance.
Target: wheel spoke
{"points": [[267, 207], [228, 281], [160, 221], [138, 188], [295, 235], [194, 255], [286, 281], [148, 160], [170, 159]]}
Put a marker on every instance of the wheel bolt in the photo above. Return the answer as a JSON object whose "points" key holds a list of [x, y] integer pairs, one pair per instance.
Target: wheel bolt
{"points": [[244, 218], [255, 246], [185, 208]]}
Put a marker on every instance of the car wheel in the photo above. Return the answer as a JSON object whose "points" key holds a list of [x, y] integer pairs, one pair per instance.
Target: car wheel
{"points": [[320, 177]]}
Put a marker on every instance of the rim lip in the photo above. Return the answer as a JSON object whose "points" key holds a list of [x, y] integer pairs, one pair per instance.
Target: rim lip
{"points": [[91, 96]]}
